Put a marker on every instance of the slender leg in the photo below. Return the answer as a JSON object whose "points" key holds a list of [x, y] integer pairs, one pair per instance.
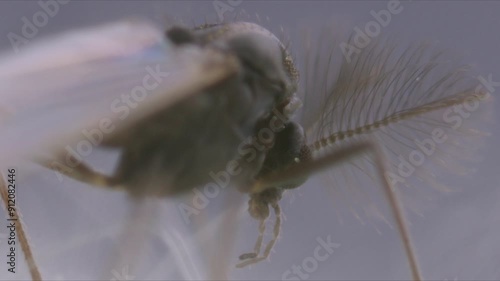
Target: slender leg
{"points": [[337, 157], [82, 173], [258, 244], [21, 234], [270, 244]]}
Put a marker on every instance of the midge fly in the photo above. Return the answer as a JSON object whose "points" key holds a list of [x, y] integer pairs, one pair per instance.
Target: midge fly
{"points": [[198, 96]]}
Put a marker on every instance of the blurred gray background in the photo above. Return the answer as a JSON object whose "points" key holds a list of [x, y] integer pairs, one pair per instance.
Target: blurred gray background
{"points": [[74, 228]]}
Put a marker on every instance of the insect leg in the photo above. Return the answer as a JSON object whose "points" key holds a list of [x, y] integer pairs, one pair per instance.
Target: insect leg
{"points": [[258, 244], [21, 234], [339, 156], [82, 173], [270, 244]]}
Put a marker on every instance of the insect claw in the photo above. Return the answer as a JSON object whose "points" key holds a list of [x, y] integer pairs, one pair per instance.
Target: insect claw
{"points": [[247, 256]]}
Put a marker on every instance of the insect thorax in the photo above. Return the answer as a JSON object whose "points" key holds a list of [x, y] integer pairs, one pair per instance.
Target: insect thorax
{"points": [[185, 146]]}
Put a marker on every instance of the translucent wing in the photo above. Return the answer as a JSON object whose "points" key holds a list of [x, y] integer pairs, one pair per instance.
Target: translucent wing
{"points": [[117, 74], [415, 102]]}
